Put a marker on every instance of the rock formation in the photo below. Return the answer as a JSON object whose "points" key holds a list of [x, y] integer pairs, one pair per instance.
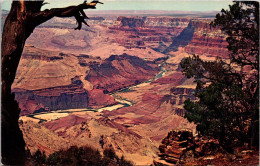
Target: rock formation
{"points": [[49, 80], [207, 40], [200, 38], [175, 145], [117, 72], [63, 97]]}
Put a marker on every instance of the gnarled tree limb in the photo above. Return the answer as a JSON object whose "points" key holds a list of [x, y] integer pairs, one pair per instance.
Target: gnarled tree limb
{"points": [[76, 11]]}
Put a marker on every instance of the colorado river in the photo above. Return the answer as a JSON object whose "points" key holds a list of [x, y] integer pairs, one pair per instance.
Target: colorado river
{"points": [[52, 115]]}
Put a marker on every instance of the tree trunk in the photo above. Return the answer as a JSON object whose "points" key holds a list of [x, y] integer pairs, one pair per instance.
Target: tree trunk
{"points": [[16, 30], [20, 23]]}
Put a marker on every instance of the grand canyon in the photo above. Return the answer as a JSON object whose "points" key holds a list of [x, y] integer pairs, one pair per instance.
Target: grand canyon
{"points": [[116, 84]]}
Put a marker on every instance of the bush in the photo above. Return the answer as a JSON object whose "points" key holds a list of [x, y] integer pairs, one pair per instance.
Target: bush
{"points": [[78, 156]]}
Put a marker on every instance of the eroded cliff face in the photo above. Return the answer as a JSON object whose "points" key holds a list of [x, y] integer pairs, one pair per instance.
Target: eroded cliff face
{"points": [[48, 81], [143, 32], [207, 40], [56, 98], [166, 34], [200, 38], [118, 72]]}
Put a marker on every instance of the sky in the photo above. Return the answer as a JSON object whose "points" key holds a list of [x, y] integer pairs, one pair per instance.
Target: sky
{"points": [[176, 5]]}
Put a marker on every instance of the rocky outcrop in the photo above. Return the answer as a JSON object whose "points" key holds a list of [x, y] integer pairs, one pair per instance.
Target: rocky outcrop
{"points": [[180, 22], [63, 97], [149, 21], [142, 32], [175, 145], [182, 91], [98, 99], [199, 37], [117, 72], [207, 40], [131, 22]]}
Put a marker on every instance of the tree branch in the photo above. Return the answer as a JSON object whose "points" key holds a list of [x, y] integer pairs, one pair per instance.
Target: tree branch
{"points": [[76, 11]]}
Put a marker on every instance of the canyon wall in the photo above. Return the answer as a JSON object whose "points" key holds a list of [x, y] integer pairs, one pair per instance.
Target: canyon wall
{"points": [[200, 38], [142, 32], [207, 40], [49, 99], [151, 34], [166, 34], [48, 81], [118, 72]]}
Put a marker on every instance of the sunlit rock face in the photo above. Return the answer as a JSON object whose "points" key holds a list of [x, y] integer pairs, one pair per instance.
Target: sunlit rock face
{"points": [[207, 40], [200, 38], [57, 98], [118, 72], [49, 80]]}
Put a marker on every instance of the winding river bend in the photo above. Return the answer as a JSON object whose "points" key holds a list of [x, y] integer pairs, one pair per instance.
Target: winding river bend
{"points": [[52, 115]]}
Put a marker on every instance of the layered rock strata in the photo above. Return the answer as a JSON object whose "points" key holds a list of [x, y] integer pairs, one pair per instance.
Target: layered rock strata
{"points": [[175, 145], [56, 98], [48, 81], [117, 72], [207, 40]]}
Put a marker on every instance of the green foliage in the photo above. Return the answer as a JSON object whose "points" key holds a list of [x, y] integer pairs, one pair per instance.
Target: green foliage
{"points": [[39, 157], [227, 105], [75, 156], [110, 153], [241, 24]]}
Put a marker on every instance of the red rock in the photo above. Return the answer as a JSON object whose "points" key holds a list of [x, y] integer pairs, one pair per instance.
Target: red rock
{"points": [[112, 124], [118, 72], [174, 79], [66, 122], [98, 99], [61, 97], [175, 145], [207, 40]]}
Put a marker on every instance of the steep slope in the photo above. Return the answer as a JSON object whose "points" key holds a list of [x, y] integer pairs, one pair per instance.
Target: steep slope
{"points": [[82, 130], [118, 72], [207, 40], [200, 38], [49, 80]]}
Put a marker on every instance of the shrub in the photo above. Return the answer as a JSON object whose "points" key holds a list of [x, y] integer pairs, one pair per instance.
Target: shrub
{"points": [[78, 156]]}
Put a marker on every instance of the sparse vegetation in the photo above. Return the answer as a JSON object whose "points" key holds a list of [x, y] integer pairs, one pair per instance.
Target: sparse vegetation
{"points": [[78, 156]]}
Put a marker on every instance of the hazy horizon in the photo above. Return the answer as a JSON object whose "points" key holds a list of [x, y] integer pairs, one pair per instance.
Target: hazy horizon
{"points": [[191, 6]]}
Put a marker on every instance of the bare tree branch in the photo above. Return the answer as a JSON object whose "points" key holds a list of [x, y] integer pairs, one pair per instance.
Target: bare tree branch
{"points": [[76, 11]]}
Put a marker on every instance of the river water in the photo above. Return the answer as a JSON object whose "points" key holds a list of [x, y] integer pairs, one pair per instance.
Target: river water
{"points": [[121, 102]]}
